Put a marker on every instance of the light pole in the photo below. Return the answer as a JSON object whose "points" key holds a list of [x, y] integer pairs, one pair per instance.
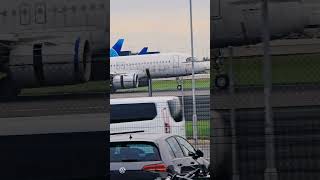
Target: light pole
{"points": [[194, 116], [271, 170]]}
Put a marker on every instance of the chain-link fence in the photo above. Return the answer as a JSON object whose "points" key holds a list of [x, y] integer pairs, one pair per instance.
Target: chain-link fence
{"points": [[44, 126], [164, 109], [244, 146], [53, 108]]}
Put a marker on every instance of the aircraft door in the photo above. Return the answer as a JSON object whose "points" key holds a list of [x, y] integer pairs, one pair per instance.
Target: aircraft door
{"points": [[176, 65]]}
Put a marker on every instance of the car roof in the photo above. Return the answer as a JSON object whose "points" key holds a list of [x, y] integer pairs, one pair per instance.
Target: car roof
{"points": [[141, 99], [149, 137]]}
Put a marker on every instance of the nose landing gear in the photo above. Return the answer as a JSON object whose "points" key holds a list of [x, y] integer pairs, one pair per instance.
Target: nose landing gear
{"points": [[221, 80]]}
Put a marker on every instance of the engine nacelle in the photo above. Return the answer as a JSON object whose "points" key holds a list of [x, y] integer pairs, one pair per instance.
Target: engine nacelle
{"points": [[49, 64], [125, 81]]}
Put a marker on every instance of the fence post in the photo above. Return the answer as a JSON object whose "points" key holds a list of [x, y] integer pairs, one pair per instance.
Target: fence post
{"points": [[149, 82], [271, 170], [235, 170]]}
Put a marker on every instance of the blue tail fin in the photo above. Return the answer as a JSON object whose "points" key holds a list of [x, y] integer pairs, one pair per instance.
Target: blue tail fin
{"points": [[118, 46], [143, 51]]}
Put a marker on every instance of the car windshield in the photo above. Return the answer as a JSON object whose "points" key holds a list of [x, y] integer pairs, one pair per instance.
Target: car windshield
{"points": [[133, 152]]}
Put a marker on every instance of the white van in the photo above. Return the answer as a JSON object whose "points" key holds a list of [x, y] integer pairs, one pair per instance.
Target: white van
{"points": [[148, 114]]}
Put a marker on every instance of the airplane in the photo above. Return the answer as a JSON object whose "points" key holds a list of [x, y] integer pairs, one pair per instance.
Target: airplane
{"points": [[61, 42], [131, 71], [52, 43], [239, 22]]}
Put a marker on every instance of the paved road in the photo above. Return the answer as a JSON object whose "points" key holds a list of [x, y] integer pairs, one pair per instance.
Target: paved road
{"points": [[53, 124], [98, 103], [158, 93], [54, 114], [68, 113]]}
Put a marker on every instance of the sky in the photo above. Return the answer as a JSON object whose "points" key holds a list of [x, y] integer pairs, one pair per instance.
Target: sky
{"points": [[162, 25]]}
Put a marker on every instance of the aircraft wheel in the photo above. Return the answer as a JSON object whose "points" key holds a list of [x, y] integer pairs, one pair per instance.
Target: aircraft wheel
{"points": [[179, 87], [222, 81]]}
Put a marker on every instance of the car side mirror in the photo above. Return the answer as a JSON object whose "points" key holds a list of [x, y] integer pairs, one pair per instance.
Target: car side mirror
{"points": [[199, 153], [191, 154]]}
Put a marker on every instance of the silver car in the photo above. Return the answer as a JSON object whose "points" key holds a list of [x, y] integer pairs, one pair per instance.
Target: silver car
{"points": [[147, 156]]}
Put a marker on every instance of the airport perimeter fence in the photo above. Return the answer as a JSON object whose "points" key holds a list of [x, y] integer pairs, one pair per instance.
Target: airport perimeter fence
{"points": [[242, 141], [44, 127], [178, 88], [198, 132]]}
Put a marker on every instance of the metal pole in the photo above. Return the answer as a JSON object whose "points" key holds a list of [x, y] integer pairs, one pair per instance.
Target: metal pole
{"points": [[235, 169], [182, 99], [150, 87], [270, 171], [149, 82], [194, 116]]}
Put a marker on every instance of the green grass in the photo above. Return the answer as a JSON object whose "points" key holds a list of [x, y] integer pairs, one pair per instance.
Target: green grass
{"points": [[162, 85], [203, 129], [291, 69]]}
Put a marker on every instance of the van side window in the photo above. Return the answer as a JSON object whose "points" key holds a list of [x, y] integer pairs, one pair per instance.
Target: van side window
{"points": [[175, 147], [121, 113], [175, 109]]}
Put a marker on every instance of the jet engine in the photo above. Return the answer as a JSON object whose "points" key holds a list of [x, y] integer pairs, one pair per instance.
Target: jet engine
{"points": [[48, 64], [125, 81]]}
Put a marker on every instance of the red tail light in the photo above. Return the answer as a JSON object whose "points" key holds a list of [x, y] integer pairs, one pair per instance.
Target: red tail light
{"points": [[155, 168]]}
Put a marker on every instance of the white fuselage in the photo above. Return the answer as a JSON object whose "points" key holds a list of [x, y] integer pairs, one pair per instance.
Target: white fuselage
{"points": [[159, 65]]}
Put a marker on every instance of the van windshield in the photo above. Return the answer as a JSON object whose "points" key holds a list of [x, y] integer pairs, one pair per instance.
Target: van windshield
{"points": [[121, 113]]}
